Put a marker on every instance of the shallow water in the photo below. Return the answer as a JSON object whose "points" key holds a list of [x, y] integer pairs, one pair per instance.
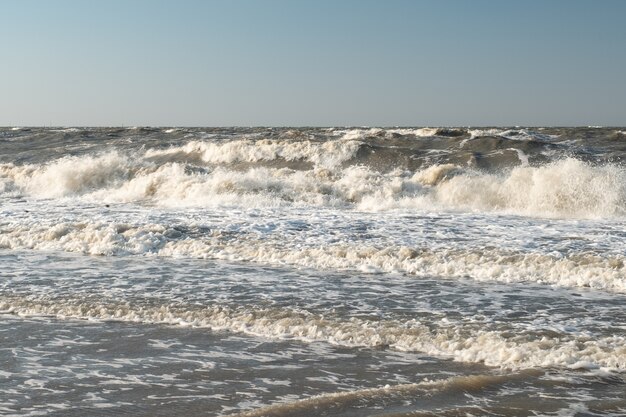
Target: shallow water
{"points": [[335, 272]]}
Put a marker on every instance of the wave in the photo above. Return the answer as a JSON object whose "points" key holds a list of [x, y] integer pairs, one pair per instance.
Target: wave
{"points": [[568, 188], [68, 176], [325, 154], [515, 134], [373, 397], [493, 348], [424, 132], [429, 132], [586, 270]]}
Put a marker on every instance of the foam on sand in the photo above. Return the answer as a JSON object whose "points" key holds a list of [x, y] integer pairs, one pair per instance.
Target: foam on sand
{"points": [[493, 348]]}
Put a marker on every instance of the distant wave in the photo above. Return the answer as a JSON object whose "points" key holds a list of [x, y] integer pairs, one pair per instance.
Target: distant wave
{"points": [[324, 154]]}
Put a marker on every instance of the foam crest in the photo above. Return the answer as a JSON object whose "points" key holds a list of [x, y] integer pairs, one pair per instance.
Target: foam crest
{"points": [[171, 185], [489, 264], [324, 154], [568, 188], [564, 189], [424, 132], [515, 134], [69, 175], [357, 134], [456, 342]]}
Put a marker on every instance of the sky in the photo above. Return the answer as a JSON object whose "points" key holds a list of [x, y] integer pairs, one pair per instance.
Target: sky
{"points": [[312, 63]]}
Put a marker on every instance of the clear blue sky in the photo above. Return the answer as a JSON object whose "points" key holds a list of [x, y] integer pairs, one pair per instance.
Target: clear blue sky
{"points": [[316, 62]]}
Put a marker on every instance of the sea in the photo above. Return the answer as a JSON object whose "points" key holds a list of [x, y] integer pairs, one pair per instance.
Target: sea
{"points": [[299, 272]]}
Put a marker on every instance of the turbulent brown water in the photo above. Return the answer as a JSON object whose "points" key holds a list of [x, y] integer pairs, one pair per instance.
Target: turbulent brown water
{"points": [[313, 272]]}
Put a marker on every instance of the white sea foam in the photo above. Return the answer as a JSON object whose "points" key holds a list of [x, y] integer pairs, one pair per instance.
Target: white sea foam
{"points": [[578, 269], [363, 134], [357, 134], [300, 214], [66, 130], [466, 345], [420, 132], [474, 133], [69, 175], [325, 154], [564, 189], [516, 134], [567, 188]]}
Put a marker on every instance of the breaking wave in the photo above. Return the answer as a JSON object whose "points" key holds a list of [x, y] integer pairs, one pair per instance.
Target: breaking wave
{"points": [[324, 154], [199, 174]]}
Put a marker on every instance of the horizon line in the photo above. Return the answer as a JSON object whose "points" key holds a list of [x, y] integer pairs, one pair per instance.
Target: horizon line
{"points": [[305, 126]]}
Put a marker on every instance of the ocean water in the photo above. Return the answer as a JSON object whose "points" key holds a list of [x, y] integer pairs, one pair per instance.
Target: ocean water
{"points": [[312, 272]]}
